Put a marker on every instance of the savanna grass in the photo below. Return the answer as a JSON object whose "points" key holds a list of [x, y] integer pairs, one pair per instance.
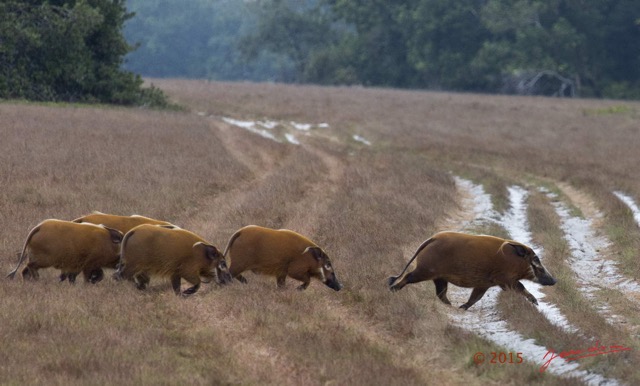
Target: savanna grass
{"points": [[369, 207]]}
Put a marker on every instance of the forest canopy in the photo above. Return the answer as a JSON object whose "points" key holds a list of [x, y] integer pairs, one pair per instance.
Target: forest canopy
{"points": [[557, 47]]}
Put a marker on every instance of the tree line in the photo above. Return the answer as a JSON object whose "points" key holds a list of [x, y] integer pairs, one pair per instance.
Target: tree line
{"points": [[97, 50], [543, 47]]}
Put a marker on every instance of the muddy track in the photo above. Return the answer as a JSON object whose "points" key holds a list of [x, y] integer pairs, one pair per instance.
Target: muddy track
{"points": [[592, 262]]}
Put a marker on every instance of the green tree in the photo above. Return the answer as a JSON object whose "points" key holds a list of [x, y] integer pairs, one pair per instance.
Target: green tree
{"points": [[297, 31], [378, 49], [444, 38], [67, 51], [590, 47]]}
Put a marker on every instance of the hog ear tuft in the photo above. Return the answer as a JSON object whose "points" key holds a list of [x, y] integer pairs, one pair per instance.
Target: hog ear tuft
{"points": [[212, 252], [316, 252], [520, 249], [116, 235]]}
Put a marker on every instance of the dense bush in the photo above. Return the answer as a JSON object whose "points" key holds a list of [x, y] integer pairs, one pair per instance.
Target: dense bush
{"points": [[68, 50]]}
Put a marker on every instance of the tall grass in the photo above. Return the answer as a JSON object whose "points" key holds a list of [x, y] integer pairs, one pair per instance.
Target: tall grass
{"points": [[368, 207]]}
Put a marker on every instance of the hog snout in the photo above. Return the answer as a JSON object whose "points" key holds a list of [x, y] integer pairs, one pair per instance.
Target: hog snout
{"points": [[545, 278], [223, 277], [334, 284]]}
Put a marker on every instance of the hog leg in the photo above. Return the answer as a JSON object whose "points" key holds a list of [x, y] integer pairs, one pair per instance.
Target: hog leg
{"points": [[31, 271], [280, 280], [195, 280], [441, 290], [304, 285], [72, 277], [68, 275], [518, 287], [476, 295], [96, 275], [304, 277], [141, 280], [191, 290], [175, 283], [235, 269], [93, 275]]}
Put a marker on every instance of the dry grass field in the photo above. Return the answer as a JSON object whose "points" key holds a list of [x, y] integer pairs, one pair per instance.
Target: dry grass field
{"points": [[369, 187]]}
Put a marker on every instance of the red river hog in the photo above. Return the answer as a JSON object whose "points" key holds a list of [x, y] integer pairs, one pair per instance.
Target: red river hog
{"points": [[477, 262], [171, 252], [279, 253], [70, 247], [122, 223]]}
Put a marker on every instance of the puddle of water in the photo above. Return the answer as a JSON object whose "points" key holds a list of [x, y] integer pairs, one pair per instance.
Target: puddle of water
{"points": [[265, 128], [268, 124], [630, 202], [592, 270], [292, 139], [361, 139], [251, 126], [484, 320], [481, 201], [301, 126], [516, 223]]}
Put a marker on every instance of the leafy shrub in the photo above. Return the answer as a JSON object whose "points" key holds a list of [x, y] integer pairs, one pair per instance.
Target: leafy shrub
{"points": [[68, 51]]}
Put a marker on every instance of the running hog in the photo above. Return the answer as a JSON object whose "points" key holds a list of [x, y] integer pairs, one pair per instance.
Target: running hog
{"points": [[477, 262]]}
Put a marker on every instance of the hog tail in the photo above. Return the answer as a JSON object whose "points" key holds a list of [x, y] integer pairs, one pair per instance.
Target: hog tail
{"points": [[118, 275], [392, 279], [24, 250], [230, 243]]}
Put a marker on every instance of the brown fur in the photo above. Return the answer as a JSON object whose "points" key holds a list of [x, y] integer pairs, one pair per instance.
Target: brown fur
{"points": [[279, 253], [477, 262], [122, 223], [171, 252], [70, 247]]}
